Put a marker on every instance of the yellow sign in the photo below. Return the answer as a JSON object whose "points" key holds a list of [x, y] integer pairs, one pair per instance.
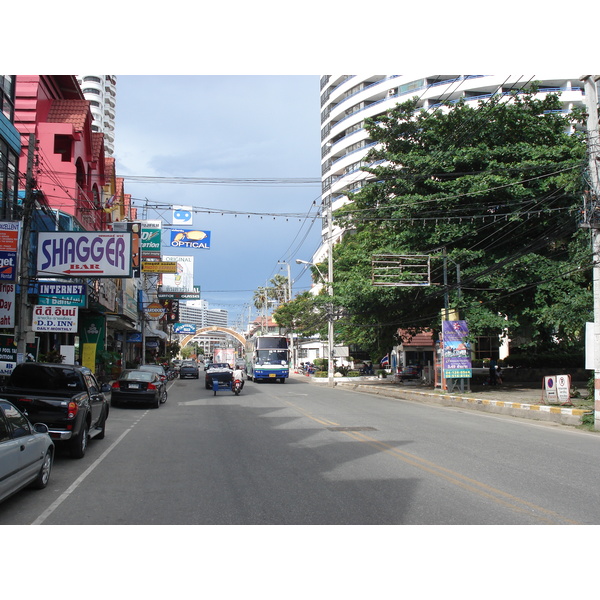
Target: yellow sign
{"points": [[159, 266], [88, 358]]}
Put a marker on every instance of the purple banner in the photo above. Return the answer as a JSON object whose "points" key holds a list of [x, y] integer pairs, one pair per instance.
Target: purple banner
{"points": [[457, 350]]}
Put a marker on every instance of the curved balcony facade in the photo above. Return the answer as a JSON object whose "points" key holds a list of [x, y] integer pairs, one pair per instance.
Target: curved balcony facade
{"points": [[347, 100]]}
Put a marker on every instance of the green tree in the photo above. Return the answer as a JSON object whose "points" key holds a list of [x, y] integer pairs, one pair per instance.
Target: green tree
{"points": [[498, 189], [306, 315]]}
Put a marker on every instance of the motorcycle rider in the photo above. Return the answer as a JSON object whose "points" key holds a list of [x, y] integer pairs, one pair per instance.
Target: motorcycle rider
{"points": [[238, 374]]}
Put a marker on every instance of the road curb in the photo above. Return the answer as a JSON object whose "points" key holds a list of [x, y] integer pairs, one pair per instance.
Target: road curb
{"points": [[539, 412]]}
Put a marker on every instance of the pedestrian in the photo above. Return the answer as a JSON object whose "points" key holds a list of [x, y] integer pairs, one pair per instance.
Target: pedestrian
{"points": [[499, 374], [492, 372]]}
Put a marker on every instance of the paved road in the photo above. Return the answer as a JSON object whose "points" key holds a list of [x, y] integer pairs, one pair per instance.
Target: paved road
{"points": [[305, 454]]}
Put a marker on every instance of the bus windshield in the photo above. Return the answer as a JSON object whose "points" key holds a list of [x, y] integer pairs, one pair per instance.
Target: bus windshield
{"points": [[271, 357]]}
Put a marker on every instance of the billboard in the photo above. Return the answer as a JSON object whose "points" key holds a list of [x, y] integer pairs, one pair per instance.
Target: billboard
{"points": [[183, 280], [190, 238], [84, 254]]}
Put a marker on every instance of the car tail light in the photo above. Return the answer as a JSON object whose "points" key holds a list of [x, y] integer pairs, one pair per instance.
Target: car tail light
{"points": [[151, 386], [72, 410], [25, 400], [116, 386]]}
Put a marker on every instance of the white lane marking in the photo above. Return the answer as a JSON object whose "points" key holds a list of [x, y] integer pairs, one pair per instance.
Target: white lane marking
{"points": [[80, 479]]}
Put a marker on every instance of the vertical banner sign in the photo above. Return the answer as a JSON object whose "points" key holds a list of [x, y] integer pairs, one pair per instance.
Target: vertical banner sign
{"points": [[151, 239], [93, 330], [88, 356], [7, 305], [457, 350], [9, 248], [136, 244]]}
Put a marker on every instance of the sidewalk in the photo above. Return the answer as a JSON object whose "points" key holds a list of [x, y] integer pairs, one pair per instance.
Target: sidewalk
{"points": [[522, 399]]}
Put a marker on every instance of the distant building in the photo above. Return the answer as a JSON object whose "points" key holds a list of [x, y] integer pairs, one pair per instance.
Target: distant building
{"points": [[198, 313], [101, 91]]}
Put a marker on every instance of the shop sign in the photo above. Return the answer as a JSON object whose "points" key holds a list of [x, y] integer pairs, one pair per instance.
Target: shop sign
{"points": [[7, 305], [9, 248], [190, 238], [184, 328], [84, 254], [55, 318]]}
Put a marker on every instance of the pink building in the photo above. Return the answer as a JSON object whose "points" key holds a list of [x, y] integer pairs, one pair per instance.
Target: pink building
{"points": [[69, 167]]}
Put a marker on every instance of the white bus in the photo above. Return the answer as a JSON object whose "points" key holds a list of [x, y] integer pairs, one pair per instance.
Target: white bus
{"points": [[268, 358]]}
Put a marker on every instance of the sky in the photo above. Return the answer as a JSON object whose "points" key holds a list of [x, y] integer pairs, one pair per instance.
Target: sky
{"points": [[223, 128]]}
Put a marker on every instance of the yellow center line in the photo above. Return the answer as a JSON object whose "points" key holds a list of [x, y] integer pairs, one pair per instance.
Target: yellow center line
{"points": [[503, 498]]}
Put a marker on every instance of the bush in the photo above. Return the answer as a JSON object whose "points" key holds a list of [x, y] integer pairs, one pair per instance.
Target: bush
{"points": [[547, 359]]}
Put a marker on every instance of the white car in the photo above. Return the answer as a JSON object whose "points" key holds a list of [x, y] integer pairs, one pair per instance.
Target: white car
{"points": [[26, 452]]}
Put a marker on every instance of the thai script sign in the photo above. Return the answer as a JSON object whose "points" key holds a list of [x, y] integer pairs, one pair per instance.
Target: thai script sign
{"points": [[89, 253], [7, 305], [457, 350], [55, 318], [159, 266], [63, 294], [190, 238], [557, 389], [9, 247]]}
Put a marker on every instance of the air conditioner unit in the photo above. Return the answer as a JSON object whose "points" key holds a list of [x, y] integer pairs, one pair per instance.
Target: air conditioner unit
{"points": [[392, 92]]}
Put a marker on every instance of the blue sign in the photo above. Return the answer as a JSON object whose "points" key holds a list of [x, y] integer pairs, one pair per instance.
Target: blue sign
{"points": [[190, 238], [184, 328]]}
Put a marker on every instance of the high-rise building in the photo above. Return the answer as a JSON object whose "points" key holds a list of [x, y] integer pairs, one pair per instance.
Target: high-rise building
{"points": [[101, 91], [347, 100], [198, 313]]}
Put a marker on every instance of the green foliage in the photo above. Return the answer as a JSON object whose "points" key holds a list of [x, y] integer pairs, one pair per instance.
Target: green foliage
{"points": [[555, 359], [306, 315], [498, 188]]}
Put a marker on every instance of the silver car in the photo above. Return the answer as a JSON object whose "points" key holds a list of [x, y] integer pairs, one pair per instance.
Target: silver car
{"points": [[26, 451]]}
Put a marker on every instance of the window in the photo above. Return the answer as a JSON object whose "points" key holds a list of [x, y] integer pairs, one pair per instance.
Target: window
{"points": [[7, 96], [16, 421]]}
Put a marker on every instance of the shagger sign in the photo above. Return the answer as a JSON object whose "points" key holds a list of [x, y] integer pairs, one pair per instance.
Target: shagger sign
{"points": [[88, 253]]}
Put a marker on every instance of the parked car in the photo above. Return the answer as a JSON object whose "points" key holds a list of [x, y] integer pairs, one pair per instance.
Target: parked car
{"points": [[67, 398], [26, 451], [137, 386], [158, 369], [188, 369], [219, 372]]}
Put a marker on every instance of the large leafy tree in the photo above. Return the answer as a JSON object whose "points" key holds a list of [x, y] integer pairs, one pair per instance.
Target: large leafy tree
{"points": [[496, 189]]}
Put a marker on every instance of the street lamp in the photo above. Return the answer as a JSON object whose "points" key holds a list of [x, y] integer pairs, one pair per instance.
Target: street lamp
{"points": [[328, 281], [289, 299]]}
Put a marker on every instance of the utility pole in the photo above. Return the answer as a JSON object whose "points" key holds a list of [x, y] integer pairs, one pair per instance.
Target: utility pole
{"points": [[24, 319], [593, 139], [330, 340]]}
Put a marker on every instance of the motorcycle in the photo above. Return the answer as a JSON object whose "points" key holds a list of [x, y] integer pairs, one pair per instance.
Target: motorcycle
{"points": [[236, 387]]}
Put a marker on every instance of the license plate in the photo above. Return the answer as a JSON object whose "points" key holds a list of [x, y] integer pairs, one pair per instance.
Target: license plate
{"points": [[272, 375], [134, 386]]}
